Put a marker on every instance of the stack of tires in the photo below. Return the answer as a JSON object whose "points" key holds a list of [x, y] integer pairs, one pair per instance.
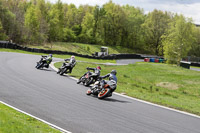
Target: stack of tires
{"points": [[156, 60]]}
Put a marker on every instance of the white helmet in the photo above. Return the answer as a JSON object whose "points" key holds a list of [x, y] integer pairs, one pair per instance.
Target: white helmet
{"points": [[73, 57]]}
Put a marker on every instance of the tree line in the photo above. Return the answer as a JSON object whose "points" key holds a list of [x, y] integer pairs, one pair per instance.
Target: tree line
{"points": [[158, 32]]}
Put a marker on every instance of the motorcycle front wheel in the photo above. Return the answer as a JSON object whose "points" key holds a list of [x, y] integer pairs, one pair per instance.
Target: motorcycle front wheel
{"points": [[39, 65], [79, 80], [104, 93], [89, 92], [88, 81], [63, 71]]}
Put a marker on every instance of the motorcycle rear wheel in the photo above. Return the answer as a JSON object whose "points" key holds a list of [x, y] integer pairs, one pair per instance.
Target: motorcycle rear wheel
{"points": [[104, 93]]}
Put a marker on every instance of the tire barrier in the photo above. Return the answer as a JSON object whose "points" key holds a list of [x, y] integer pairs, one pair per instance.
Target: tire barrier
{"points": [[6, 44], [9, 45]]}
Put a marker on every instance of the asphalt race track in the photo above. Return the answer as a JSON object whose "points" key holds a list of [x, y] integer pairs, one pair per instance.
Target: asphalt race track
{"points": [[60, 101]]}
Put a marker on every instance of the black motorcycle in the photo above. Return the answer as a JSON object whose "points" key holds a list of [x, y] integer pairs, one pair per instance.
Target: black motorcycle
{"points": [[64, 69], [42, 63], [88, 78], [101, 93]]}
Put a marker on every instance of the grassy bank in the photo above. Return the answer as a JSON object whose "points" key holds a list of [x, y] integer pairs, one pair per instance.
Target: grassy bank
{"points": [[163, 84], [12, 121], [81, 48], [58, 56]]}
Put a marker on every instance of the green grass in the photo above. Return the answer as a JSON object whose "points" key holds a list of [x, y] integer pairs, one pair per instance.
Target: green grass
{"points": [[58, 56], [81, 48], [12, 121], [163, 84]]}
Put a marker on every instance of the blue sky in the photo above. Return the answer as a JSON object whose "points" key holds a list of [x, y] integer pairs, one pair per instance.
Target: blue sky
{"points": [[189, 8]]}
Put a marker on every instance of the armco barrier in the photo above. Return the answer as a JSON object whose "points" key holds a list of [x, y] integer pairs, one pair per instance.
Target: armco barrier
{"points": [[195, 64], [6, 44]]}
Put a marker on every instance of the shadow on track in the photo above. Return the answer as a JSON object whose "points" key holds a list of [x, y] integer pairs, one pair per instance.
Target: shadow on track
{"points": [[108, 99], [115, 100], [46, 70]]}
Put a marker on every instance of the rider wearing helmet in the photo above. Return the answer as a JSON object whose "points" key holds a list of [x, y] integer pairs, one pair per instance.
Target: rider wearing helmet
{"points": [[48, 59], [71, 61], [96, 70], [112, 80]]}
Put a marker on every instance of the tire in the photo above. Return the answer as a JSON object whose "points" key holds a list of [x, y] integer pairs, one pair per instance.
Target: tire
{"points": [[89, 92], [79, 80], [39, 66], [104, 93], [58, 71], [88, 81], [63, 71]]}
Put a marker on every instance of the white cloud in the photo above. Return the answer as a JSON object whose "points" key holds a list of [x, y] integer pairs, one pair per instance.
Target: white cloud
{"points": [[189, 10]]}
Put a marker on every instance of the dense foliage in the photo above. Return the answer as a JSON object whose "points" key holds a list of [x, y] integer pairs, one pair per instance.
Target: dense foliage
{"points": [[39, 21]]}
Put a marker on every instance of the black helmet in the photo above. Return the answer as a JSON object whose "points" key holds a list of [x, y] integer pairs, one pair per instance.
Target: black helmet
{"points": [[114, 72]]}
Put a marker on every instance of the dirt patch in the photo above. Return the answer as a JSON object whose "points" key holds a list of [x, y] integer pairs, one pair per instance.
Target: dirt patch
{"points": [[171, 86], [192, 82]]}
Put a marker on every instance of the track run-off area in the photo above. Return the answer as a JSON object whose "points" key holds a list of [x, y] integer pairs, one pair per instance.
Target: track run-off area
{"points": [[59, 101]]}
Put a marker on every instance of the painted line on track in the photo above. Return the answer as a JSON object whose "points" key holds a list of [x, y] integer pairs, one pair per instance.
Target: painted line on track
{"points": [[50, 124], [153, 104]]}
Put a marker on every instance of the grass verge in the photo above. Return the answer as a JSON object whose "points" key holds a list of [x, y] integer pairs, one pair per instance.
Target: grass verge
{"points": [[163, 84], [81, 48], [58, 56], [12, 121]]}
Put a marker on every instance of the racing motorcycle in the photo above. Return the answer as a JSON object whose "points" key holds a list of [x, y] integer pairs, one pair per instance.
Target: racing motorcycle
{"points": [[104, 92], [88, 78], [64, 68], [42, 63]]}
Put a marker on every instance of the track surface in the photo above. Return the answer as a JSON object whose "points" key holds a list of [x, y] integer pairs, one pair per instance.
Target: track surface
{"points": [[60, 101]]}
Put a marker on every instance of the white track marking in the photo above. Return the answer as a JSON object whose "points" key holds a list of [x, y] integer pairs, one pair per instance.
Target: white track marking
{"points": [[153, 104]]}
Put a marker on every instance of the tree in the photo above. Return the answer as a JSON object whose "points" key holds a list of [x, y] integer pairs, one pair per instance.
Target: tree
{"points": [[112, 23], [132, 36], [195, 50], [7, 19], [2, 33], [155, 26], [32, 24], [42, 12], [87, 29], [56, 22], [98, 29], [178, 39]]}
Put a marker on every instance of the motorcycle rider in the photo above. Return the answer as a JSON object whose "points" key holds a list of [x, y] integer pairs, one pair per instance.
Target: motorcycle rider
{"points": [[48, 59], [96, 70], [112, 81], [71, 61]]}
